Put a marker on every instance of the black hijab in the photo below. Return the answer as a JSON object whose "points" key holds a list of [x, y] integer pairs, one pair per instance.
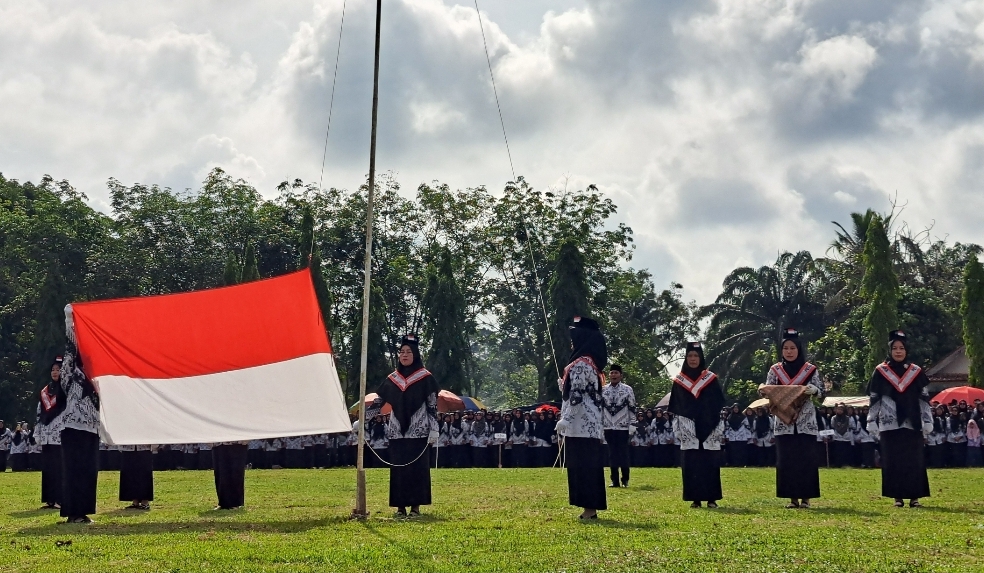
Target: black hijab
{"points": [[792, 368], [705, 411], [762, 424], [517, 425], [907, 402], [735, 418], [586, 340], [406, 401]]}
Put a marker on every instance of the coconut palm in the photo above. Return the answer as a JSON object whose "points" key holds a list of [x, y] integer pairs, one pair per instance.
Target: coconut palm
{"points": [[754, 307]]}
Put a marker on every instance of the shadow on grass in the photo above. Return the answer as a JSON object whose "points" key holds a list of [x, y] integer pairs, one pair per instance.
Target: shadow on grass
{"points": [[732, 510], [841, 511], [32, 513], [183, 527], [616, 524]]}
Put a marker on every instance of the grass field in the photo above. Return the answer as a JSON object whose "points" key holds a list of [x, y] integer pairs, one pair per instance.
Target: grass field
{"points": [[500, 520]]}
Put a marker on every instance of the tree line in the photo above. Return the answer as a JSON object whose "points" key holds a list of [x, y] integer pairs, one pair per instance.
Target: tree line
{"points": [[466, 269]]}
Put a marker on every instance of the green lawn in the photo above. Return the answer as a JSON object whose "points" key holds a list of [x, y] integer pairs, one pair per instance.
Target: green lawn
{"points": [[500, 520]]}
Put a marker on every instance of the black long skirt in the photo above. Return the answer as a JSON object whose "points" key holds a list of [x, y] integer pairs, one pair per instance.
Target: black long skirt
{"points": [[320, 456], [204, 459], [80, 472], [958, 455], [51, 474], [35, 461], [295, 459], [701, 474], [738, 454], [584, 458], [936, 455], [481, 457], [114, 458], [3, 460], [18, 462], [641, 456], [867, 454], [137, 476], [229, 470], [840, 454], [410, 485], [797, 470], [903, 465], [520, 459]]}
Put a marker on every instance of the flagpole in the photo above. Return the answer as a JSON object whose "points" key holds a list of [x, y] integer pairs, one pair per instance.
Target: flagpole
{"points": [[360, 510]]}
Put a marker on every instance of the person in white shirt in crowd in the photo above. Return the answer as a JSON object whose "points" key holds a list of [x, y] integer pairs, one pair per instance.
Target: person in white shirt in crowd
{"points": [[618, 417]]}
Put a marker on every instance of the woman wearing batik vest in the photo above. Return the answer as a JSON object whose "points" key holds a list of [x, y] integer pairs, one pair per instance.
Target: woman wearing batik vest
{"points": [[696, 401], [901, 417], [797, 467], [580, 422], [411, 391]]}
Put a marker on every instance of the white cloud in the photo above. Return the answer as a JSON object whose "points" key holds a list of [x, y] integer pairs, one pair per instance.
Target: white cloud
{"points": [[726, 131]]}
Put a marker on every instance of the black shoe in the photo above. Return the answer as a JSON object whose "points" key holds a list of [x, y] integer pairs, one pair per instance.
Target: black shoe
{"points": [[695, 505], [712, 505]]}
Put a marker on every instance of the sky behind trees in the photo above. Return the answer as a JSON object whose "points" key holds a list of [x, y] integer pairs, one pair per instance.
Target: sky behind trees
{"points": [[725, 131]]}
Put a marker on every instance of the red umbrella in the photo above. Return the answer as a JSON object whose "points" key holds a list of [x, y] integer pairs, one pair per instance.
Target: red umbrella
{"points": [[548, 408], [369, 399], [968, 393], [449, 402]]}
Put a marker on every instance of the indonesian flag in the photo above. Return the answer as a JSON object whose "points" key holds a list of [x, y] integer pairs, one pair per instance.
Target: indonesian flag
{"points": [[244, 362]]}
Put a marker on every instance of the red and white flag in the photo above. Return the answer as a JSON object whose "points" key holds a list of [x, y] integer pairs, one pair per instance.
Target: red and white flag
{"points": [[244, 362]]}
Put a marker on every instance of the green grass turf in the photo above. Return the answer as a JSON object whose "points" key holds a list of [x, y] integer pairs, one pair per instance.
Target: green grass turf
{"points": [[500, 520]]}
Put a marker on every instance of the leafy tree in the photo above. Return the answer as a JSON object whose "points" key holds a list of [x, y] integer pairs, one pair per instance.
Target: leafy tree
{"points": [[972, 312], [449, 354], [49, 331], [378, 367], [880, 287], [568, 295], [251, 271], [231, 274], [754, 308]]}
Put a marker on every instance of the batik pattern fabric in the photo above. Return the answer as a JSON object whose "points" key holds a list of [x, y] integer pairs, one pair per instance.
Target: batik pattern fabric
{"points": [[882, 416], [806, 421], [81, 407], [582, 408], [685, 434], [422, 423], [620, 406]]}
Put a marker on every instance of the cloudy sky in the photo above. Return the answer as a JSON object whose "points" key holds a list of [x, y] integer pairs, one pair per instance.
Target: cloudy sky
{"points": [[725, 130]]}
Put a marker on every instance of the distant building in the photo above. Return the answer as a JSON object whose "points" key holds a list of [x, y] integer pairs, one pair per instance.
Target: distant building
{"points": [[953, 370]]}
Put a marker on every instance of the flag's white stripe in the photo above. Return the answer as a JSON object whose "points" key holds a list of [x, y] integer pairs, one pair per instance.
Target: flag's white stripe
{"points": [[291, 398]]}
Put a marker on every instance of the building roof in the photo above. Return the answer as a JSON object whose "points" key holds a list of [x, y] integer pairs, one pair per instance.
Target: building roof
{"points": [[954, 366]]}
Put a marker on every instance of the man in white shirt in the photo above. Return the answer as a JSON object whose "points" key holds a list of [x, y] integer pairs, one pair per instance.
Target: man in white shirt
{"points": [[617, 417]]}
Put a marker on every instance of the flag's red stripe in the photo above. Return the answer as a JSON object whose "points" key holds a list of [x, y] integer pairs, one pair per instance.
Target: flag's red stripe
{"points": [[202, 332]]}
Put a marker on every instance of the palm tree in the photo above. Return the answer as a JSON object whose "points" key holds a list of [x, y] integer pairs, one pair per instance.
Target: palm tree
{"points": [[841, 273], [754, 307]]}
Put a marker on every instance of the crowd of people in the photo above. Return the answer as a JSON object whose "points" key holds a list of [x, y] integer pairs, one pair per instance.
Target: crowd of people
{"points": [[598, 425]]}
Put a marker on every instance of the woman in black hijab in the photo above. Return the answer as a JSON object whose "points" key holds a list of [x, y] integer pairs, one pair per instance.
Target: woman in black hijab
{"points": [[580, 418], [519, 436], [797, 467], [411, 391], [901, 415], [695, 401], [660, 430]]}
